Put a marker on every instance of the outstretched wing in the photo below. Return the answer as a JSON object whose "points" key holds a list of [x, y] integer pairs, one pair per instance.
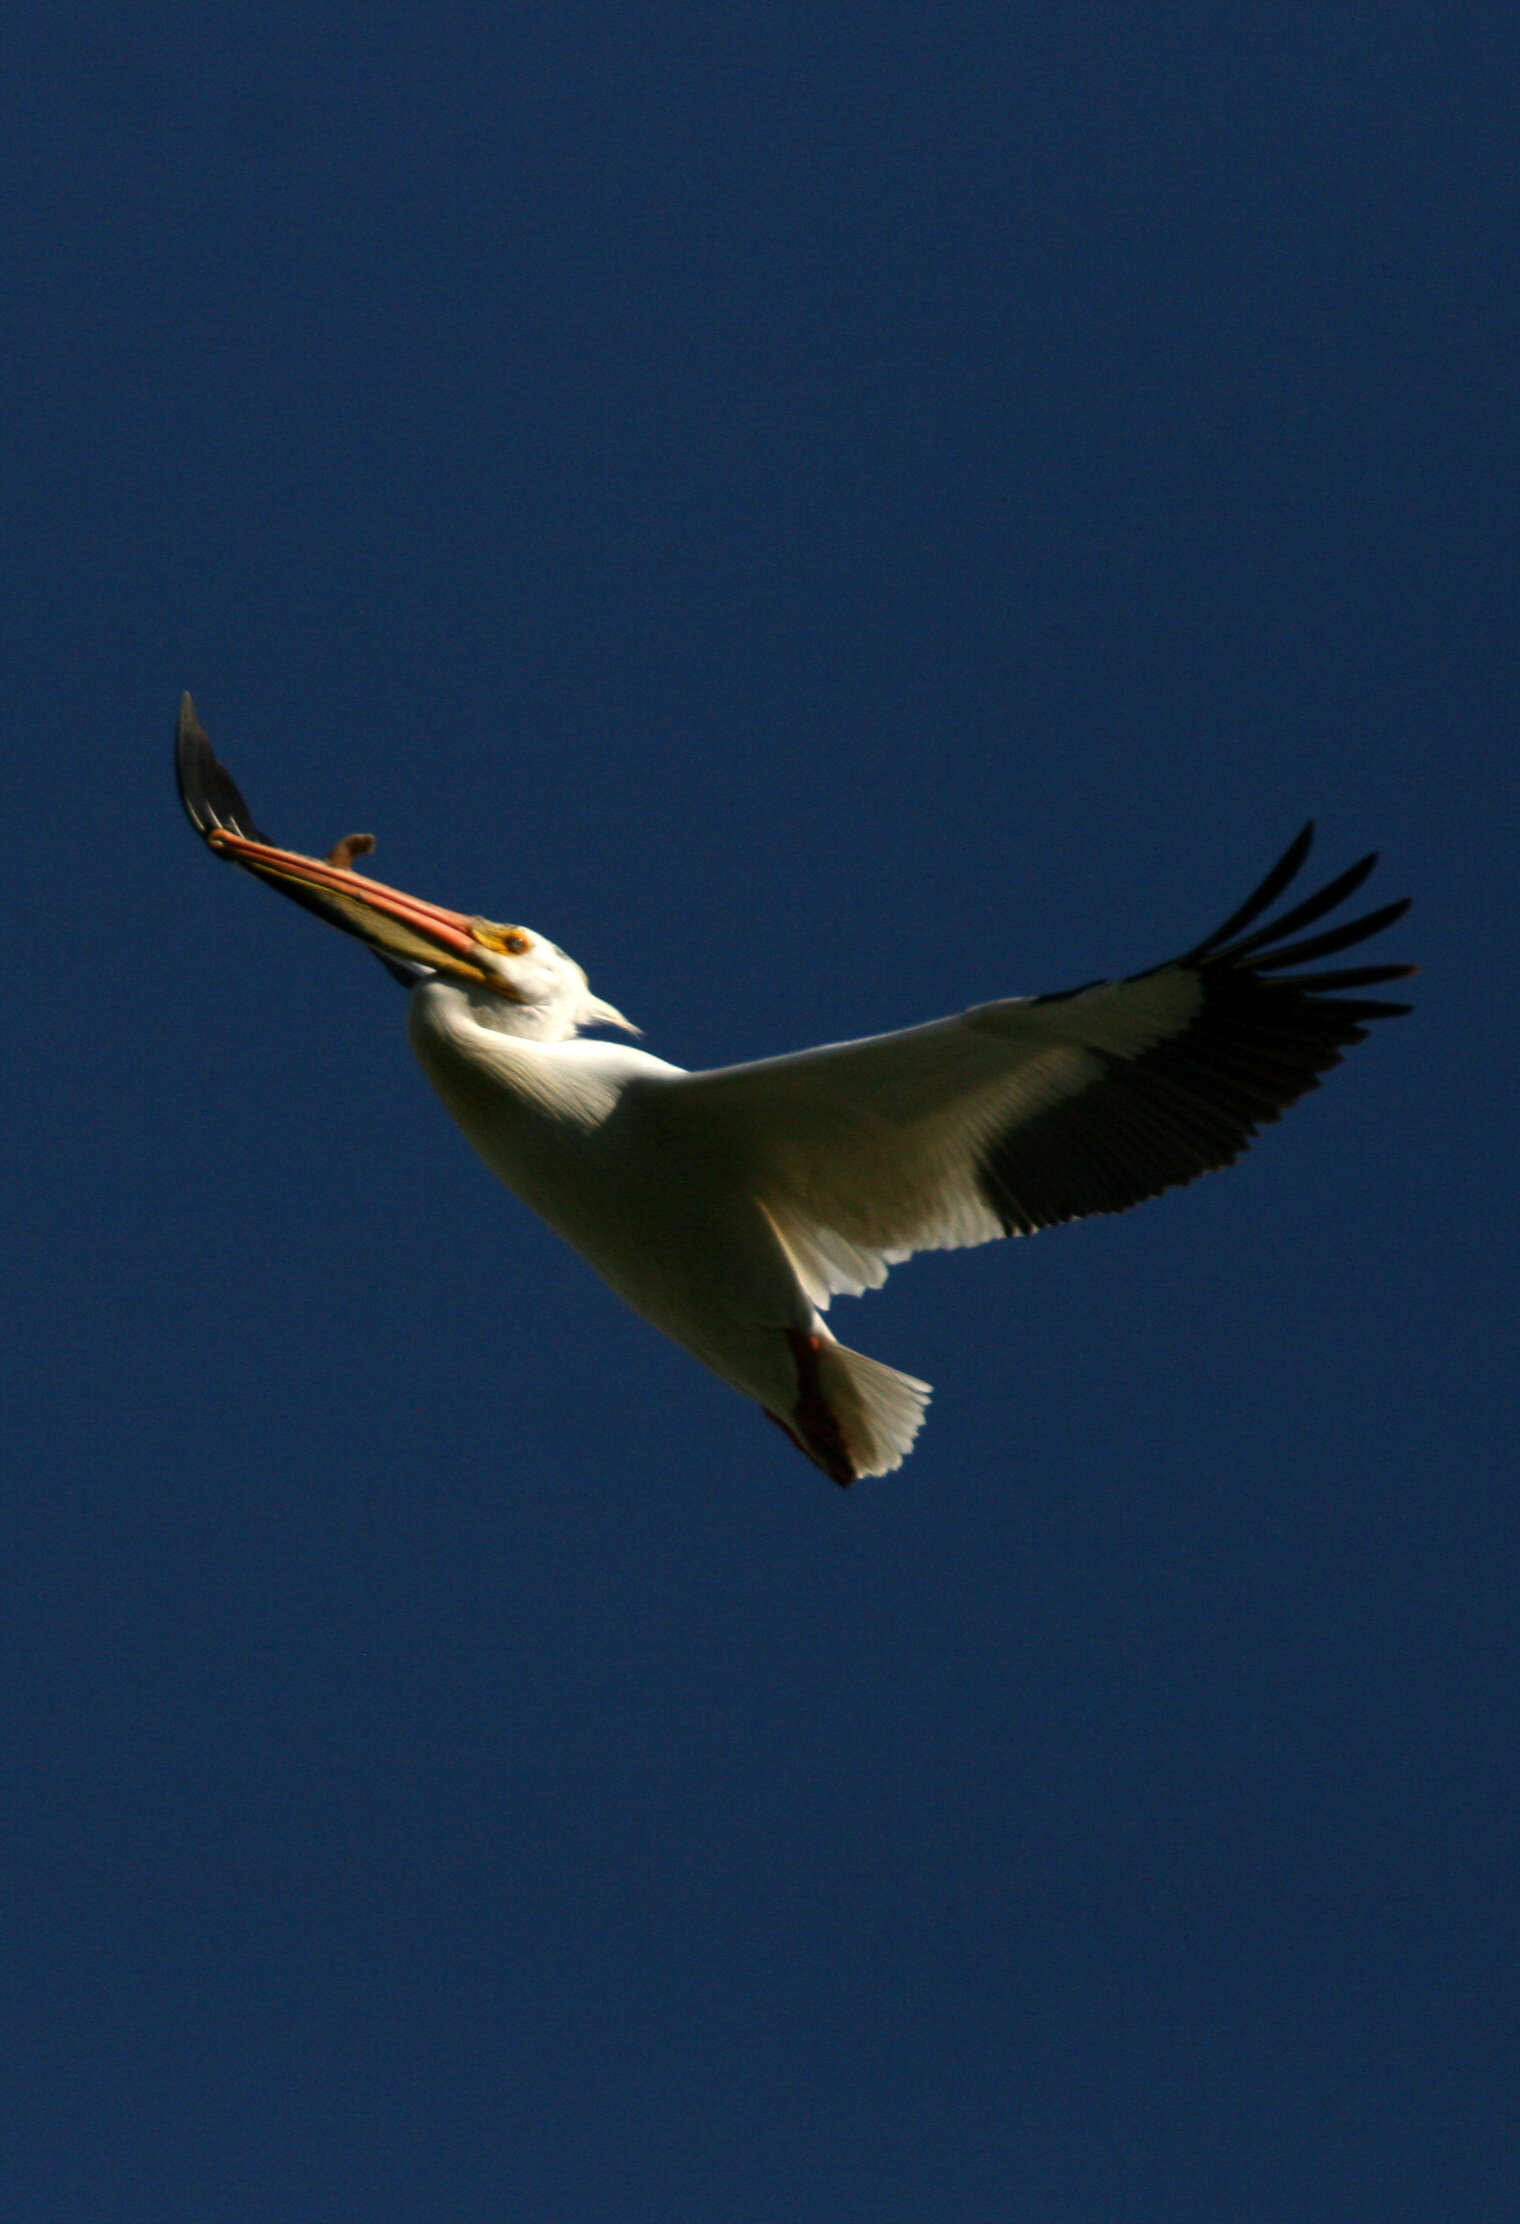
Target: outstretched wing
{"points": [[1017, 1115]]}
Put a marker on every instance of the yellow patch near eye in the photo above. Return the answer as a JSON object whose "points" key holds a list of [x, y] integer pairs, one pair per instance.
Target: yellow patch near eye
{"points": [[511, 941]]}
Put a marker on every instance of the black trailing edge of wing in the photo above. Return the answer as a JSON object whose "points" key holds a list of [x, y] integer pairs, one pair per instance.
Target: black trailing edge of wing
{"points": [[1261, 1038]]}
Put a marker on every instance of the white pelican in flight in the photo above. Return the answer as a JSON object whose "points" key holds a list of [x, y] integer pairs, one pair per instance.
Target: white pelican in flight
{"points": [[729, 1207]]}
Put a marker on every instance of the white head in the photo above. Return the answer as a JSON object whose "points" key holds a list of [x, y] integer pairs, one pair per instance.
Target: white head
{"points": [[539, 991]]}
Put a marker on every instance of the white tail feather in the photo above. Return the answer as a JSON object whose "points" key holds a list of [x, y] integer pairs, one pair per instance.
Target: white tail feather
{"points": [[879, 1410]]}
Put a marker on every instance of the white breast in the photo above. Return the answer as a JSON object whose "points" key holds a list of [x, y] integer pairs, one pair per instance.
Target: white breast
{"points": [[575, 1130]]}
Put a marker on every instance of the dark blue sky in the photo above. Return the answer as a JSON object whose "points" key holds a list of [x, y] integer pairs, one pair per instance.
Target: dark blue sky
{"points": [[833, 514]]}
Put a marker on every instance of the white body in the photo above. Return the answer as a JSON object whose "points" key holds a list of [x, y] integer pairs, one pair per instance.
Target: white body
{"points": [[729, 1207], [597, 1140]]}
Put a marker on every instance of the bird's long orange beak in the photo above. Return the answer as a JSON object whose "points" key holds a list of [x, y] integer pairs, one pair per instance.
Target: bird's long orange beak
{"points": [[403, 926], [393, 924]]}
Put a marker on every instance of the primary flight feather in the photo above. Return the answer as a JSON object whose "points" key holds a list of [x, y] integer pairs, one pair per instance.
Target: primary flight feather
{"points": [[729, 1207]]}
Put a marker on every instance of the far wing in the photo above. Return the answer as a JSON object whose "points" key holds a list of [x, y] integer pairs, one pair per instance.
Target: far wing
{"points": [[1017, 1115], [213, 803]]}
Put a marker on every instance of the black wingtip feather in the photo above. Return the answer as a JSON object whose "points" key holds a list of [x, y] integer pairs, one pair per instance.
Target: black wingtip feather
{"points": [[1355, 976], [1302, 914], [210, 795], [1283, 872], [1325, 945]]}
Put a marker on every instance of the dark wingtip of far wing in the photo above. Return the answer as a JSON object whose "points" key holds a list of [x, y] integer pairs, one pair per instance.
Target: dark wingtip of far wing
{"points": [[1271, 949], [210, 795], [214, 804]]}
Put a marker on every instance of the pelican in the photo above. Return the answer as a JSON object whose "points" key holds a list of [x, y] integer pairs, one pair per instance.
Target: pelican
{"points": [[729, 1207]]}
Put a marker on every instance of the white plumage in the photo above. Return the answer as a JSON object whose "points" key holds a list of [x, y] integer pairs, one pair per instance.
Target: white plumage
{"points": [[729, 1207]]}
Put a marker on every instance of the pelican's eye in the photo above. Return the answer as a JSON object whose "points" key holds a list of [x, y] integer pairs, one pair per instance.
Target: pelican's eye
{"points": [[512, 942]]}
